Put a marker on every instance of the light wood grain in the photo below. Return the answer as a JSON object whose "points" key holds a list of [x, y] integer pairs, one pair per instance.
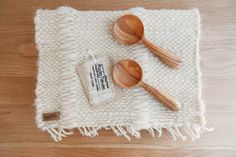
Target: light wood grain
{"points": [[129, 30], [18, 133], [128, 73], [51, 152]]}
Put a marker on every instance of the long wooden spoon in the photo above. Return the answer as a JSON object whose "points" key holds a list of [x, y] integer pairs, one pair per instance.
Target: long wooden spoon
{"points": [[127, 73], [129, 30]]}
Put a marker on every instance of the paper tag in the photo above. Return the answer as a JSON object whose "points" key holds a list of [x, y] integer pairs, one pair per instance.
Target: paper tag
{"points": [[96, 77]]}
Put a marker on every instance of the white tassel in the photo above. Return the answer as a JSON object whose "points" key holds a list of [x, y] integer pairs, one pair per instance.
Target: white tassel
{"points": [[159, 131], [193, 131], [66, 132], [180, 134], [133, 132], [53, 135], [151, 131]]}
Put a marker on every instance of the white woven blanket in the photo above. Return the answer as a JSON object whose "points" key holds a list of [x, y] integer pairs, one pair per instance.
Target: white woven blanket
{"points": [[63, 36]]}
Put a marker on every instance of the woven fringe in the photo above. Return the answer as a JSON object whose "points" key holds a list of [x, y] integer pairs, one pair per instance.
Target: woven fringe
{"points": [[193, 132], [58, 133]]}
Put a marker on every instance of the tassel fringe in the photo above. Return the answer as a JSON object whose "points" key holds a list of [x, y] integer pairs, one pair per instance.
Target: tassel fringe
{"points": [[193, 132]]}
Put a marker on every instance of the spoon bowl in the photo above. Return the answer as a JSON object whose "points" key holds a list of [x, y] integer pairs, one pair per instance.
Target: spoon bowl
{"points": [[129, 29], [128, 73]]}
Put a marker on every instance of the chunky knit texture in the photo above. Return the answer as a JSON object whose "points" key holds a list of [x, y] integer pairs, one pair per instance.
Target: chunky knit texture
{"points": [[63, 37]]}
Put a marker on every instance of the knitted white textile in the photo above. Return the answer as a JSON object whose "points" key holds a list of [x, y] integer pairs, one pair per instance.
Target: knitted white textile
{"points": [[63, 36]]}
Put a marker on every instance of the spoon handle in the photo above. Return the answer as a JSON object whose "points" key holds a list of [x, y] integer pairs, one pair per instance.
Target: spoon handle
{"points": [[169, 59], [167, 100]]}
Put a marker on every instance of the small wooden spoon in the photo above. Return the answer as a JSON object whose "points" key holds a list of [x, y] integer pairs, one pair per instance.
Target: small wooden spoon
{"points": [[127, 73], [129, 30]]}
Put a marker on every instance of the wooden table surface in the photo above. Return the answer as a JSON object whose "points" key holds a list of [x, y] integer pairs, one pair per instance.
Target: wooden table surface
{"points": [[19, 136]]}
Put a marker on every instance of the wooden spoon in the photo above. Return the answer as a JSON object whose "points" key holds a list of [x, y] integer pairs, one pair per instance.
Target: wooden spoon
{"points": [[127, 73], [129, 30]]}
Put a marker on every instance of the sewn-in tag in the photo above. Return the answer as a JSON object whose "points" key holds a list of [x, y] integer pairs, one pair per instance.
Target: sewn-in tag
{"points": [[96, 78], [51, 116]]}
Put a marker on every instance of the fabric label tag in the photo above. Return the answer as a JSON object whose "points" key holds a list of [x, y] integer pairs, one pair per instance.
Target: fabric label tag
{"points": [[51, 116]]}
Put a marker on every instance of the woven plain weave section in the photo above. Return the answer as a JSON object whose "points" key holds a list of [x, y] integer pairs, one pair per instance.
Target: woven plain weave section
{"points": [[63, 37]]}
